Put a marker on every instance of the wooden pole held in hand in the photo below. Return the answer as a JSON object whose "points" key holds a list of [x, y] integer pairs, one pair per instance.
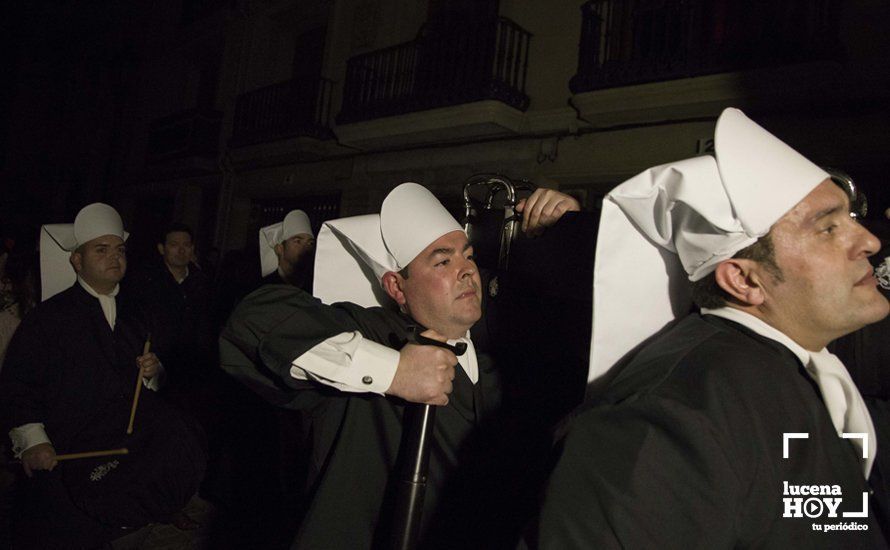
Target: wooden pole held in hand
{"points": [[87, 454], [91, 454], [138, 389]]}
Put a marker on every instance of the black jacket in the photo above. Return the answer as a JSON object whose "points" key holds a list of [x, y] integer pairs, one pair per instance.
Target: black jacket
{"points": [[178, 313], [356, 435], [685, 451], [67, 369]]}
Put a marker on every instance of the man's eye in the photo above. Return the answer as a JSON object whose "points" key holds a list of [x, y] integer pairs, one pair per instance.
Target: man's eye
{"points": [[443, 262], [472, 257], [830, 229]]}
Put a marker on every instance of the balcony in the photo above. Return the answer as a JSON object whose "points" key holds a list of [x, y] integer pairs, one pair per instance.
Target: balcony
{"points": [[191, 134], [290, 109], [464, 63], [634, 42], [668, 55]]}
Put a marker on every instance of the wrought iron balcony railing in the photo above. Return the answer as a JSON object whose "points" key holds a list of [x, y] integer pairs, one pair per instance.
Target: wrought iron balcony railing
{"points": [[287, 109], [191, 133], [626, 42], [459, 63]]}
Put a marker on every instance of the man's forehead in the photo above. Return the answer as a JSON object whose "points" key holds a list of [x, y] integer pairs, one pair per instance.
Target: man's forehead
{"points": [[105, 240], [454, 239], [824, 198], [178, 236]]}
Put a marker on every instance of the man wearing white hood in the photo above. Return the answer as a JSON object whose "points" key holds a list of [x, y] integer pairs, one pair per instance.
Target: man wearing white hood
{"points": [[706, 437], [67, 387], [353, 365], [286, 251]]}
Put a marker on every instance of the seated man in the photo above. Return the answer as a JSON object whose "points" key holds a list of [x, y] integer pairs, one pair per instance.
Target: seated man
{"points": [[67, 387], [733, 427], [357, 371]]}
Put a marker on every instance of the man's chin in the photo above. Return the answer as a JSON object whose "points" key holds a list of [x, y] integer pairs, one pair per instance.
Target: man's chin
{"points": [[886, 310], [875, 310], [473, 317]]}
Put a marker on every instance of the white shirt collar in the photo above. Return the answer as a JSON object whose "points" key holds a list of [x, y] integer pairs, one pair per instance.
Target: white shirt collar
{"points": [[106, 301], [468, 360], [760, 327], [175, 278]]}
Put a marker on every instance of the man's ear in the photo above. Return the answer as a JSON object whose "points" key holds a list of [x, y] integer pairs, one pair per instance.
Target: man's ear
{"points": [[76, 261], [160, 249], [279, 249], [740, 279], [392, 284]]}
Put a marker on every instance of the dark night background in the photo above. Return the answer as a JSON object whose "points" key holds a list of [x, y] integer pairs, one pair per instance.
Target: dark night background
{"points": [[226, 114]]}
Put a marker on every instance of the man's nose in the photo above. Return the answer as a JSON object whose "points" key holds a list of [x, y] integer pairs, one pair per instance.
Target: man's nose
{"points": [[869, 244], [468, 269]]}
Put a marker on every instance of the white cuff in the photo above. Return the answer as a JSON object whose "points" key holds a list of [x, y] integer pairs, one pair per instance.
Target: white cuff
{"points": [[157, 381], [348, 362], [26, 436]]}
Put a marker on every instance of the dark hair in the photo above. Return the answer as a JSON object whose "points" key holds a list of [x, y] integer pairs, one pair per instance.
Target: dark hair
{"points": [[404, 272], [706, 293], [175, 227]]}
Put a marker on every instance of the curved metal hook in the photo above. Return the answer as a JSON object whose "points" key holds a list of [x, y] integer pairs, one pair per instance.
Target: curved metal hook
{"points": [[858, 200]]}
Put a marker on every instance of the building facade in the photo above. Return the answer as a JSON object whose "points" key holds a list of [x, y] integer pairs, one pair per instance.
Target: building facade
{"points": [[237, 111]]}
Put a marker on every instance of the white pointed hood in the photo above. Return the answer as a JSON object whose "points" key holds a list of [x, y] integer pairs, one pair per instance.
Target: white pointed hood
{"points": [[675, 222]]}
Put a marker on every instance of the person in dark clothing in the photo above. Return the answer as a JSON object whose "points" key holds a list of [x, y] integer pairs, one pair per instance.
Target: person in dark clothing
{"points": [[67, 387], [286, 251], [715, 425], [352, 368], [287, 257], [175, 294]]}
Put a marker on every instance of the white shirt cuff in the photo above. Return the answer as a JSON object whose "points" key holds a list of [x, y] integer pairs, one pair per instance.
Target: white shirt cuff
{"points": [[26, 436], [157, 381], [348, 362]]}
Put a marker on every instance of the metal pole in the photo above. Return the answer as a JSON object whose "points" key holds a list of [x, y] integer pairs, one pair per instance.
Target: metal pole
{"points": [[412, 464]]}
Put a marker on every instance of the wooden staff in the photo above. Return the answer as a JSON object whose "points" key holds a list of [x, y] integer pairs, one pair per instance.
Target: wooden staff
{"points": [[88, 454], [138, 390], [91, 454]]}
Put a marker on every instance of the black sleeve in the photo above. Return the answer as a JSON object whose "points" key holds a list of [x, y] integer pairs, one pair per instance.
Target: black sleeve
{"points": [[28, 382], [640, 476], [276, 324]]}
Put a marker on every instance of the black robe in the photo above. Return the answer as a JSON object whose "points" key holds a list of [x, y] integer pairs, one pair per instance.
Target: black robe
{"points": [[684, 450], [355, 435], [67, 369]]}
